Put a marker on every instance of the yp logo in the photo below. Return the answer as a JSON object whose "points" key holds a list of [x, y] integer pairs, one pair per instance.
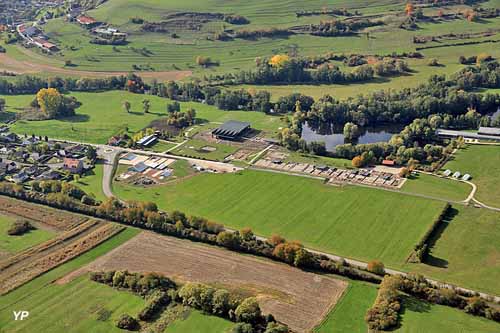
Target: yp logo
{"points": [[20, 315]]}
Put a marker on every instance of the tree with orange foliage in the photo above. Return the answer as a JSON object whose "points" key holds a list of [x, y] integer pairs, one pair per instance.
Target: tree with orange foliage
{"points": [[279, 60], [50, 101], [357, 162], [409, 9]]}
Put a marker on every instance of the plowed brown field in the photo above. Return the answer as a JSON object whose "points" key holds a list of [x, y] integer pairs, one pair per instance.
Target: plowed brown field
{"points": [[297, 298]]}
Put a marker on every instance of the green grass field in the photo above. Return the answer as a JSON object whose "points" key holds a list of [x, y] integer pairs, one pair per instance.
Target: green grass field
{"points": [[161, 146], [199, 322], [483, 164], [437, 187], [193, 148], [349, 313], [70, 307], [91, 182], [14, 244], [102, 115], [318, 160], [419, 317], [466, 251], [351, 221]]}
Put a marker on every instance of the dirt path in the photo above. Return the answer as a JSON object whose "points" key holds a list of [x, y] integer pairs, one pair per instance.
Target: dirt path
{"points": [[27, 67], [297, 298]]}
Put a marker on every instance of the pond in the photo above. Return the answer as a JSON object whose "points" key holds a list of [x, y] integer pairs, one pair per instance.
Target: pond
{"points": [[332, 137]]}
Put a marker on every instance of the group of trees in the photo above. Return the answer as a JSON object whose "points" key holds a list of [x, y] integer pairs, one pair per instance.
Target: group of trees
{"points": [[340, 27], [384, 314], [55, 105], [159, 291], [181, 119], [19, 228]]}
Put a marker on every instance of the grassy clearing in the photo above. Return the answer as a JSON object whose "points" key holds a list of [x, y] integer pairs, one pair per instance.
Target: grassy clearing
{"points": [[199, 322], [483, 163], [67, 300], [91, 182], [351, 221], [14, 244], [437, 187], [349, 313], [419, 316], [102, 115], [161, 146], [315, 159], [194, 148], [466, 251]]}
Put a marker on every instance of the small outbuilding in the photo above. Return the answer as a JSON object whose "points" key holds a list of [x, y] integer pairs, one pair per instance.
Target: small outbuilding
{"points": [[457, 174], [466, 177], [447, 172], [231, 130], [388, 162]]}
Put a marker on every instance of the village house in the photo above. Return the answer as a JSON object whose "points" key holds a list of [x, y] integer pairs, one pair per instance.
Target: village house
{"points": [[86, 21], [73, 165]]}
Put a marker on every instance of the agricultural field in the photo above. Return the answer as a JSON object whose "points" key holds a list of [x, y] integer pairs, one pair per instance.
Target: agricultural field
{"points": [[297, 298], [256, 199], [465, 250], [81, 305], [482, 163], [102, 115], [12, 244], [436, 187]]}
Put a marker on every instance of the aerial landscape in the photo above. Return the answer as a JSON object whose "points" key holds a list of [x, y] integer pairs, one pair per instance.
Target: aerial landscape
{"points": [[257, 166]]}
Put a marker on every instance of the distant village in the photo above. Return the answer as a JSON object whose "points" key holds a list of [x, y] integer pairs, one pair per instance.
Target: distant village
{"points": [[27, 158], [32, 34]]}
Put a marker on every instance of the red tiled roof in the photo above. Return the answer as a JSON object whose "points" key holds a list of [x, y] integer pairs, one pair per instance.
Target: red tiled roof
{"points": [[85, 19], [388, 162], [71, 163]]}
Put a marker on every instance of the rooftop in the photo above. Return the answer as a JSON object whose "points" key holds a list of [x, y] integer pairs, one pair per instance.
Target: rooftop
{"points": [[231, 128]]}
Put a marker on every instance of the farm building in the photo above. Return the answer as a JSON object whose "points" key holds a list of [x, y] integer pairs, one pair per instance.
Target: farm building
{"points": [[73, 165], [489, 131], [466, 177], [447, 173], [231, 130], [45, 45], [147, 140], [457, 174]]}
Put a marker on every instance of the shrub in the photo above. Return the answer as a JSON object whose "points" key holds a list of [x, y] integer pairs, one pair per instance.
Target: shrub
{"points": [[19, 228], [248, 311], [376, 266], [127, 322]]}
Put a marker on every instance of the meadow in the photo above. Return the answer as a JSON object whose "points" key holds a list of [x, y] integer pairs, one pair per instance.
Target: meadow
{"points": [[436, 187], [13, 244], [199, 322], [91, 182], [194, 148], [418, 316], [351, 221], [349, 313], [482, 163], [76, 305], [102, 115], [465, 251]]}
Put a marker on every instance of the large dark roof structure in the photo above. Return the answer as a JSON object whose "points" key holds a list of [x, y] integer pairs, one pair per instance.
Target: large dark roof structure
{"points": [[231, 129]]}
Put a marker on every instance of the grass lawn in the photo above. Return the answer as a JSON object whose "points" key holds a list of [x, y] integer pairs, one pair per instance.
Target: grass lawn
{"points": [[418, 317], [351, 221], [14, 244], [71, 307], [91, 182], [181, 168], [315, 159], [348, 315], [437, 187], [161, 146], [466, 251], [102, 115], [199, 322], [483, 164], [193, 148]]}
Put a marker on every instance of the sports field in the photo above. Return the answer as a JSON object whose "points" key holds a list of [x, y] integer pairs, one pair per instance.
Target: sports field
{"points": [[14, 244], [483, 164], [466, 251], [79, 306], [349, 313], [102, 115], [418, 316], [351, 221]]}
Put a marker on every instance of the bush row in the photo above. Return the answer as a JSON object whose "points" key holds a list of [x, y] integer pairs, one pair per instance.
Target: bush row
{"points": [[421, 249]]}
